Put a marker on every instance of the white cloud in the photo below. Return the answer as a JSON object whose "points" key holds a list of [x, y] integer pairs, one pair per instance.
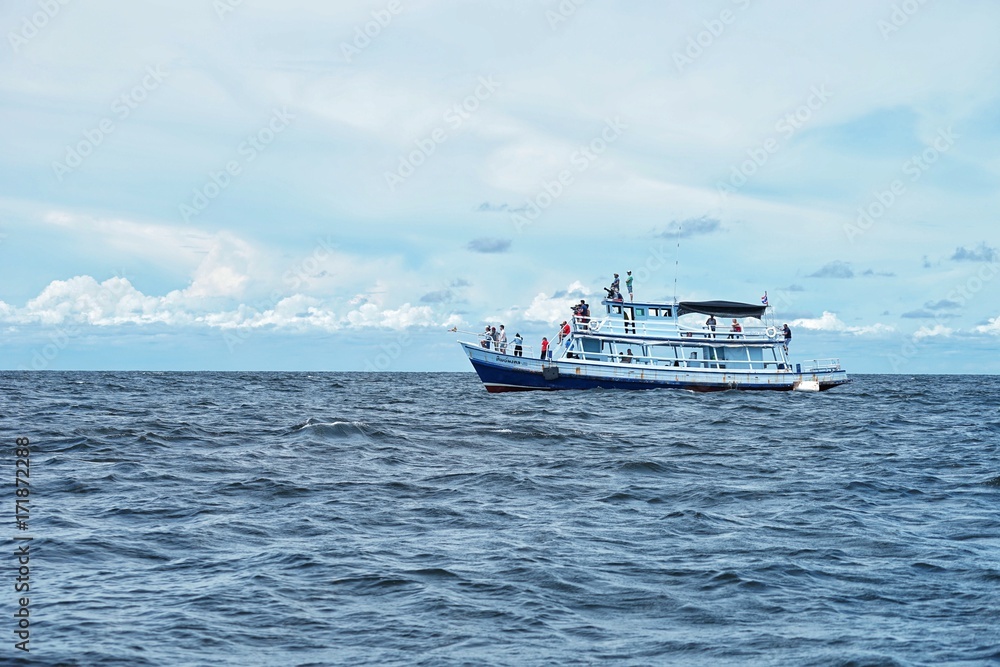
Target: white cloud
{"points": [[830, 322], [82, 300], [992, 328], [932, 332], [225, 270], [555, 308], [371, 315]]}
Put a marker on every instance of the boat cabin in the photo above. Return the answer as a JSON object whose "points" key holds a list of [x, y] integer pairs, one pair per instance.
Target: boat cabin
{"points": [[732, 335]]}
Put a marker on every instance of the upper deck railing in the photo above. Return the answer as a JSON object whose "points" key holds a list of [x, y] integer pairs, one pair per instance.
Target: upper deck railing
{"points": [[669, 328]]}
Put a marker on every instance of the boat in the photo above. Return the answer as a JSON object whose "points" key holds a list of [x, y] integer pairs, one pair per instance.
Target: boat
{"points": [[646, 345]]}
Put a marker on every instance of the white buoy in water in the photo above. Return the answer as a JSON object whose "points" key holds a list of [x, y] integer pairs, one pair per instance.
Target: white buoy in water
{"points": [[806, 385]]}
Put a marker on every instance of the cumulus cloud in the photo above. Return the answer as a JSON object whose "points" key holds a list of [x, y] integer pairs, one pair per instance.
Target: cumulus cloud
{"points": [[489, 245], [937, 331], [82, 300], [992, 327], [835, 269], [224, 271], [830, 322], [981, 253], [371, 315], [553, 309]]}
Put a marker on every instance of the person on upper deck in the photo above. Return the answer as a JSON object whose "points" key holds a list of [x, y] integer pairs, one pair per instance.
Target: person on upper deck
{"points": [[564, 331], [736, 328], [616, 284], [710, 323], [628, 285]]}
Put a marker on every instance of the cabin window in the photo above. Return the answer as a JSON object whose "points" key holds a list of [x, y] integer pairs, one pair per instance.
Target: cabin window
{"points": [[655, 312], [666, 312], [639, 312], [617, 310]]}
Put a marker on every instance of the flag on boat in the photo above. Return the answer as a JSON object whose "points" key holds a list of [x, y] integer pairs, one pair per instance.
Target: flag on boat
{"points": [[763, 299]]}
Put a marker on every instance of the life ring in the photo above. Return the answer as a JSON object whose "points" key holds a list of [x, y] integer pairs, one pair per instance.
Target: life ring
{"points": [[594, 325], [771, 332]]}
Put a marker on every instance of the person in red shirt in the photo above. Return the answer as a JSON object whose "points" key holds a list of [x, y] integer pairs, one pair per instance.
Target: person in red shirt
{"points": [[564, 331], [545, 347], [736, 328]]}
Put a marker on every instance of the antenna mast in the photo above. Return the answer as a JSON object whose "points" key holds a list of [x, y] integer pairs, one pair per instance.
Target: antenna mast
{"points": [[677, 257]]}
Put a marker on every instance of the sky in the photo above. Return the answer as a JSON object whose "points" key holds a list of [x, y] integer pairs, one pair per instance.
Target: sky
{"points": [[316, 186]]}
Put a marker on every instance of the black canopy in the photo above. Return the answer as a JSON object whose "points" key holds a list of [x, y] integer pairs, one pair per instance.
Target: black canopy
{"points": [[721, 308]]}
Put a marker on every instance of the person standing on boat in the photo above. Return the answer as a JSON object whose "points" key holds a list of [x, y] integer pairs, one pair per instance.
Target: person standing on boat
{"points": [[563, 331], [788, 337], [710, 323], [545, 348], [495, 337], [628, 285], [736, 328], [616, 284], [487, 337], [503, 340], [517, 345]]}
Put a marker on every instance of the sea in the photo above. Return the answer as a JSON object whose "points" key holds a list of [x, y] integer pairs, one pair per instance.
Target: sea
{"points": [[254, 518]]}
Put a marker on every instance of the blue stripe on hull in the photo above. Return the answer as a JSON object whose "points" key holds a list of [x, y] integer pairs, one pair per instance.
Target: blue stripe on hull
{"points": [[500, 379]]}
